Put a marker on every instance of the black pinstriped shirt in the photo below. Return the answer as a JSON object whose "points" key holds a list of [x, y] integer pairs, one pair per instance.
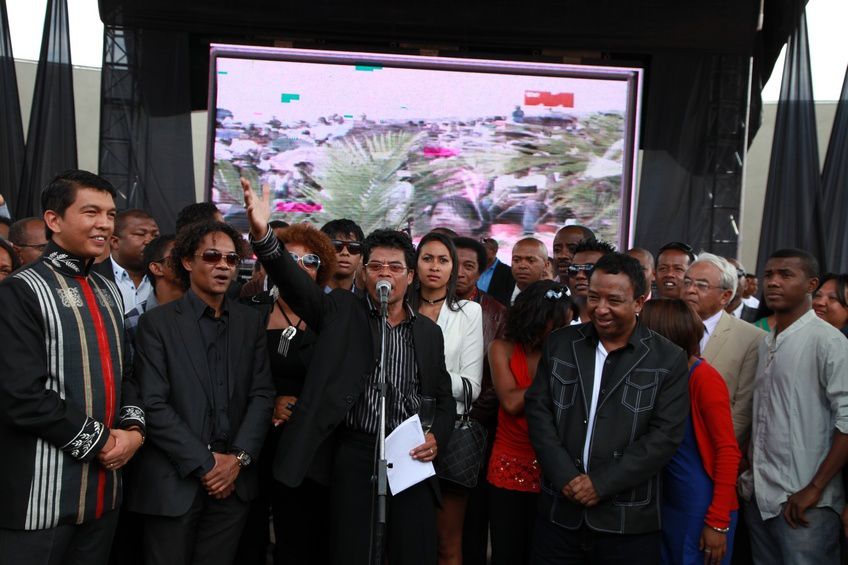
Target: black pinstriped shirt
{"points": [[402, 396]]}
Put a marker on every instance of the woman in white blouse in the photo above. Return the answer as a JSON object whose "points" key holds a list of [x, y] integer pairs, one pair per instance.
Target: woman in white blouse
{"points": [[462, 326]]}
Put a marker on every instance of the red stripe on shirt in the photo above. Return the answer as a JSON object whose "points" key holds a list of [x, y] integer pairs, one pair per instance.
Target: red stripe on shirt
{"points": [[105, 354]]}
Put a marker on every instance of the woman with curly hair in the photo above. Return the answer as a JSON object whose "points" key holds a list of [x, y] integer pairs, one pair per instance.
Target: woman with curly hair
{"points": [[699, 504], [300, 520], [514, 473]]}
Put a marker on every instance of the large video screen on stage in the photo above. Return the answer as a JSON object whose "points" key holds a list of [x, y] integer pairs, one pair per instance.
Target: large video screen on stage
{"points": [[487, 148]]}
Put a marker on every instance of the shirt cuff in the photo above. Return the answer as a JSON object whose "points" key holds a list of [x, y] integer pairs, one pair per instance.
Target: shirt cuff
{"points": [[267, 247], [88, 442], [131, 416]]}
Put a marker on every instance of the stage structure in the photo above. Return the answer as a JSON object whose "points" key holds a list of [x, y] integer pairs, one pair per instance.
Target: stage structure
{"points": [[487, 148]]}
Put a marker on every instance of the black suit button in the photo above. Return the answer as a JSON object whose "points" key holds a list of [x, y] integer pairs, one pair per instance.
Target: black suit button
{"points": [[349, 399], [603, 391]]}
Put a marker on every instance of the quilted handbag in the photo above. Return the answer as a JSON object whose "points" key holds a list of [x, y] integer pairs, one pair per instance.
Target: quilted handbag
{"points": [[460, 462]]}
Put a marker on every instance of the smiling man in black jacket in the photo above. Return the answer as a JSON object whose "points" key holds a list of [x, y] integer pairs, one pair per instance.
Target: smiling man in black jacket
{"points": [[606, 412]]}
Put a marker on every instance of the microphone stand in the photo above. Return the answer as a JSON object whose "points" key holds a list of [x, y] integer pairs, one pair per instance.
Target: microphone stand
{"points": [[380, 476]]}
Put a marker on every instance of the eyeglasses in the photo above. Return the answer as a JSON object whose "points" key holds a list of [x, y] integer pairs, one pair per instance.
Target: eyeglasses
{"points": [[309, 261], [740, 273], [162, 260], [213, 257], [353, 247], [395, 267], [573, 269], [38, 246], [558, 293], [700, 285]]}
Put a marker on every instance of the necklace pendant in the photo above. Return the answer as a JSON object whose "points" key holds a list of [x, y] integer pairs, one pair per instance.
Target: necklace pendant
{"points": [[285, 340]]}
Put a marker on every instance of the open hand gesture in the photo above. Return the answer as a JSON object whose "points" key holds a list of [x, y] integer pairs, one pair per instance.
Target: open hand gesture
{"points": [[258, 209]]}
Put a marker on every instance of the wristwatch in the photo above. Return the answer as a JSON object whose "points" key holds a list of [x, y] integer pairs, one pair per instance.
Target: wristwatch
{"points": [[244, 459]]}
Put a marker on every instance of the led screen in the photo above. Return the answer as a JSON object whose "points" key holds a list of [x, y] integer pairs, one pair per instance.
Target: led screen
{"points": [[486, 148]]}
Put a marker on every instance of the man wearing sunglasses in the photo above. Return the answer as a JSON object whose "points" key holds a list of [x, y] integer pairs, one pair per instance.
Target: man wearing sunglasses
{"points": [[347, 238], [209, 397], [332, 432], [586, 254]]}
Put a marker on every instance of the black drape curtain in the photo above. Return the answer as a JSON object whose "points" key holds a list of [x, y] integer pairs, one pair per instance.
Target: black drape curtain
{"points": [[160, 171], [11, 126], [835, 187], [792, 209], [674, 189], [51, 145]]}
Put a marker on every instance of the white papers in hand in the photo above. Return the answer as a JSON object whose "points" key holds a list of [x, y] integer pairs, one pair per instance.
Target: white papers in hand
{"points": [[404, 471]]}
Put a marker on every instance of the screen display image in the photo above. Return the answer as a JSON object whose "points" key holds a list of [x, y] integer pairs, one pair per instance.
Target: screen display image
{"points": [[486, 148]]}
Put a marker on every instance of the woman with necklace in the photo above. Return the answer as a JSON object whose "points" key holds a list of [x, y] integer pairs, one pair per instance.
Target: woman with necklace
{"points": [[461, 322], [300, 521]]}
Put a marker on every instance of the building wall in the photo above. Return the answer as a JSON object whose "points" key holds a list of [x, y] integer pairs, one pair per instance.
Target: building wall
{"points": [[87, 100]]}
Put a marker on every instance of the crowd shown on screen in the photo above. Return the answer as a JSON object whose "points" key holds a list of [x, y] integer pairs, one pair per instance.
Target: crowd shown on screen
{"points": [[193, 397]]}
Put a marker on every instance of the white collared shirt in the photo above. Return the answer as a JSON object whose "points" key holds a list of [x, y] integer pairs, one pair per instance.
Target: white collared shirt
{"points": [[600, 360], [709, 329], [738, 312], [515, 292], [132, 295]]}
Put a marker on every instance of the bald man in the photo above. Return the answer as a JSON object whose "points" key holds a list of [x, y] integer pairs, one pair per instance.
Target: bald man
{"points": [[565, 241], [529, 263], [646, 259]]}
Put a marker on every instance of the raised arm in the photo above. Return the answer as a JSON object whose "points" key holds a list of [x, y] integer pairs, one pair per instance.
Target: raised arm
{"points": [[300, 292]]}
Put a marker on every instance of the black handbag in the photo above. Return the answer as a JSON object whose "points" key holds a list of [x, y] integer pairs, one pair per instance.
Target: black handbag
{"points": [[460, 462]]}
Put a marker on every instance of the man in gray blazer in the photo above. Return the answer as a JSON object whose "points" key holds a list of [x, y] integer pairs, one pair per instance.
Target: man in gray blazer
{"points": [[729, 344]]}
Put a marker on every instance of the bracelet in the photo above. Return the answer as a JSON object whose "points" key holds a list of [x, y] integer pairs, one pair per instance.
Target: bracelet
{"points": [[141, 433], [719, 530]]}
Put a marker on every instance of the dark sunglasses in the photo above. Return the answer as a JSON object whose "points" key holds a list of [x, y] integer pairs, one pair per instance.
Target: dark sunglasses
{"points": [[353, 247], [309, 261], [213, 257], [573, 269]]}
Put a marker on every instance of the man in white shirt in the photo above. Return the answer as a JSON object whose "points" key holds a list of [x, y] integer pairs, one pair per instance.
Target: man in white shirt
{"points": [[729, 344], [134, 229], [799, 436]]}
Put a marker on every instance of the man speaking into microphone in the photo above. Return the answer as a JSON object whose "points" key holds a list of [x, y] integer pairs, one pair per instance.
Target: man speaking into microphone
{"points": [[331, 435]]}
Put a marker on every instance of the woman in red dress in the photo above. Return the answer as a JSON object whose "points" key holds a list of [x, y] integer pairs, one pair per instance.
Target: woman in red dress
{"points": [[514, 474]]}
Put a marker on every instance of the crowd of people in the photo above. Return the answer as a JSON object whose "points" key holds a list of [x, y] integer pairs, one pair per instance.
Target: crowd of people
{"points": [[154, 408]]}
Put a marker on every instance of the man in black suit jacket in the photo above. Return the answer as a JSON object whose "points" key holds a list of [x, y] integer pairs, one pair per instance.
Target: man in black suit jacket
{"points": [[501, 284], [606, 412], [203, 371], [340, 396]]}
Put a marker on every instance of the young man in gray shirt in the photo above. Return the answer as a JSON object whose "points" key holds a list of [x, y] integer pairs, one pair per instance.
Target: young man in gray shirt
{"points": [[799, 439]]}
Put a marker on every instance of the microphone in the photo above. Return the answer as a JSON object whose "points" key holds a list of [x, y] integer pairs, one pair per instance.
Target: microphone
{"points": [[384, 287]]}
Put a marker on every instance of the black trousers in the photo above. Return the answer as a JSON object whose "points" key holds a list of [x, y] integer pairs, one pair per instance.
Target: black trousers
{"points": [[207, 534], [83, 544], [411, 519], [553, 544], [512, 515]]}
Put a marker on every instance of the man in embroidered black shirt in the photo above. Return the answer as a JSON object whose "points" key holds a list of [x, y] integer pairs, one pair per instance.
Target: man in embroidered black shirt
{"points": [[339, 392], [70, 418]]}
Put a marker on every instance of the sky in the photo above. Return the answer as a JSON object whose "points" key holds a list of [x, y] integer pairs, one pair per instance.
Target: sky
{"points": [[825, 20]]}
